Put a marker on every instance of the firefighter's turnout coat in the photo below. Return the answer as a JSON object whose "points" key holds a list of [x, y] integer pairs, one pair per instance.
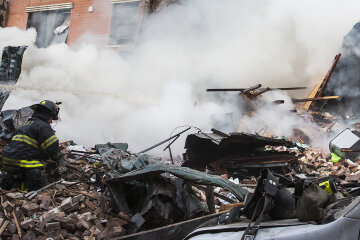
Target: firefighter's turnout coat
{"points": [[31, 144]]}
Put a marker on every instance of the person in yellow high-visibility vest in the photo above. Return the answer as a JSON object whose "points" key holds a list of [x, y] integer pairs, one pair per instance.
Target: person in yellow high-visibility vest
{"points": [[30, 145]]}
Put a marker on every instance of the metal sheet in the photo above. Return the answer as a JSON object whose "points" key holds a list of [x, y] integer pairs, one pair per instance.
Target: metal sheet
{"points": [[187, 174]]}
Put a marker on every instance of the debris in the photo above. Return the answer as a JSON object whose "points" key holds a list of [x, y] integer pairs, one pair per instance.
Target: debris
{"points": [[319, 88], [32, 194], [14, 195], [30, 208], [10, 68], [346, 139], [52, 226], [188, 174], [66, 204], [3, 227], [17, 223], [27, 224], [231, 153]]}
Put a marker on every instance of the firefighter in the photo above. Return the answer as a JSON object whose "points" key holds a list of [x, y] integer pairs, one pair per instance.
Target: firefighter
{"points": [[31, 144]]}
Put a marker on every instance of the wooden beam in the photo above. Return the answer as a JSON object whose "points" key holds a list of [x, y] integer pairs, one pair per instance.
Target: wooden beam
{"points": [[312, 95], [2, 229], [328, 75], [209, 192], [319, 88], [315, 99], [17, 223]]}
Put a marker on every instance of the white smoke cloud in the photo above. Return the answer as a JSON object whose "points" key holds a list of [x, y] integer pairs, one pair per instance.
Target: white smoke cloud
{"points": [[184, 49]]}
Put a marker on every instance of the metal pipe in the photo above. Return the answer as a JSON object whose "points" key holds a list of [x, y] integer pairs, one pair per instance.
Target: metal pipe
{"points": [[217, 132], [162, 142], [278, 101]]}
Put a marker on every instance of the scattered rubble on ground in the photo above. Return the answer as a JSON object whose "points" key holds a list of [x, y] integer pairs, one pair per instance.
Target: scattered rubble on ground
{"points": [[109, 192]]}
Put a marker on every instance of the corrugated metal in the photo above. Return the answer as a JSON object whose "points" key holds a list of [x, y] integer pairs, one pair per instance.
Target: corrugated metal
{"points": [[49, 7], [124, 1]]}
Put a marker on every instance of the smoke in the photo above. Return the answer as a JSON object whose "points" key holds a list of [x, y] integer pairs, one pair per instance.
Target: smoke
{"points": [[345, 81], [183, 49]]}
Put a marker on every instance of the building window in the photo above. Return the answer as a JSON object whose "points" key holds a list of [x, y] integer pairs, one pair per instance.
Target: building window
{"points": [[124, 22], [51, 26]]}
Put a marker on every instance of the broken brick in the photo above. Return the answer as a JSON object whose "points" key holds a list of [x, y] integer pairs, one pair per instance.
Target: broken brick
{"points": [[46, 204], [27, 224], [117, 232], [30, 235], [86, 216], [78, 198], [86, 186], [14, 195], [66, 222], [86, 234], [115, 222], [53, 226], [90, 205], [42, 197], [352, 178], [30, 208], [15, 237], [88, 238], [11, 227], [8, 206], [82, 224], [49, 217], [73, 238], [74, 207], [66, 204], [97, 232]]}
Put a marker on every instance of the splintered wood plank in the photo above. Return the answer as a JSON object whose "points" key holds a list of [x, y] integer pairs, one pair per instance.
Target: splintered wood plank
{"points": [[320, 89], [312, 95], [316, 99], [4, 226]]}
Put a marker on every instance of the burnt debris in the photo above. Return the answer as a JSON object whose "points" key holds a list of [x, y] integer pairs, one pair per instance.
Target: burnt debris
{"points": [[233, 153]]}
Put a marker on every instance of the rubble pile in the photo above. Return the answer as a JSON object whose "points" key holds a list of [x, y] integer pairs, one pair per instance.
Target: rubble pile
{"points": [[81, 207], [64, 212], [67, 210], [317, 162], [109, 192], [73, 209]]}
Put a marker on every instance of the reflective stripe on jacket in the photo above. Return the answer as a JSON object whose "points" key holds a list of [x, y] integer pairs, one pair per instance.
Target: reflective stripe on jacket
{"points": [[28, 140], [31, 143], [22, 163]]}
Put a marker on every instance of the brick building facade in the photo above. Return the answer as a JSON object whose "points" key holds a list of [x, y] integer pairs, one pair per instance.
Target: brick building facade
{"points": [[118, 22]]}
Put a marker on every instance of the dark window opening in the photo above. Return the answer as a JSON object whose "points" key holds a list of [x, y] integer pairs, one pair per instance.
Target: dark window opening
{"points": [[51, 26], [124, 23]]}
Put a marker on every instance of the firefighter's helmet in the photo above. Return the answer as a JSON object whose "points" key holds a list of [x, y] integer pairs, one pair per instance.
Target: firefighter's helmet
{"points": [[48, 106]]}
